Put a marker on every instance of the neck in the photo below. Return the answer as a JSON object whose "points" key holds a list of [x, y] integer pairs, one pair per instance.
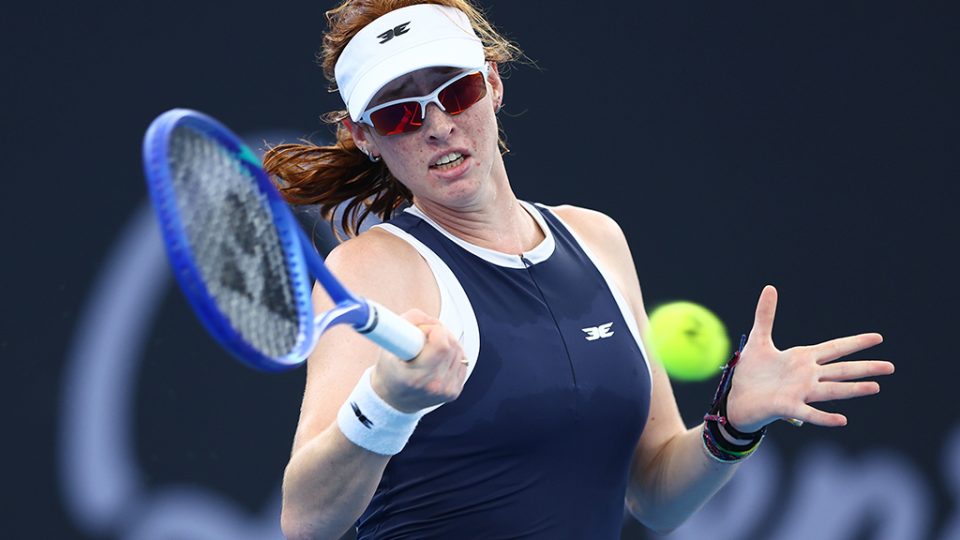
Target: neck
{"points": [[499, 222]]}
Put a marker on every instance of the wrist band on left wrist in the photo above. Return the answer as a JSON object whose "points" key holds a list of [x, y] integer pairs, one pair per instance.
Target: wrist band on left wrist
{"points": [[721, 440]]}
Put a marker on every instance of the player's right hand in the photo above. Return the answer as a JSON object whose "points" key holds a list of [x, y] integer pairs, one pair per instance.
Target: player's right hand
{"points": [[435, 376]]}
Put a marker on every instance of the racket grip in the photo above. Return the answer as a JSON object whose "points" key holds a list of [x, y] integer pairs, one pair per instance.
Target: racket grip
{"points": [[392, 332]]}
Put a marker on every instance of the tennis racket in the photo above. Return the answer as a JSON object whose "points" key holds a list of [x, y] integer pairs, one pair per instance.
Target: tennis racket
{"points": [[240, 257]]}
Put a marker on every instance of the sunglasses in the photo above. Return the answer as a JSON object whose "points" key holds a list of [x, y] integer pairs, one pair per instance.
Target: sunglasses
{"points": [[406, 115]]}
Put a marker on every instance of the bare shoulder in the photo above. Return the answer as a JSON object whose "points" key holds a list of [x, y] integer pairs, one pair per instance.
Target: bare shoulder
{"points": [[605, 239], [369, 252], [600, 231], [383, 267]]}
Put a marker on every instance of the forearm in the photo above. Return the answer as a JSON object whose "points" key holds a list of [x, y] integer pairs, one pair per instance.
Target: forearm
{"points": [[327, 485], [677, 481]]}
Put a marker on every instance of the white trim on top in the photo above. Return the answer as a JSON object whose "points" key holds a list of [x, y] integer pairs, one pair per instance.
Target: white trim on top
{"points": [[538, 254], [456, 312]]}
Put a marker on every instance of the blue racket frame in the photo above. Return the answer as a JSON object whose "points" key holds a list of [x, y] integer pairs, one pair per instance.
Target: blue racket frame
{"points": [[299, 253]]}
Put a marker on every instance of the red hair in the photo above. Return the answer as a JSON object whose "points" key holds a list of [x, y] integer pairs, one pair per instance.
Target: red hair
{"points": [[331, 175]]}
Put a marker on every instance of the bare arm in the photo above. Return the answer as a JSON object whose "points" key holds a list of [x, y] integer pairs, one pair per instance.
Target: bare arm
{"points": [[671, 475], [329, 480], [327, 484]]}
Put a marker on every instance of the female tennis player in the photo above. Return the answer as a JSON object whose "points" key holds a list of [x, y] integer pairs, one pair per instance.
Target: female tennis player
{"points": [[534, 410]]}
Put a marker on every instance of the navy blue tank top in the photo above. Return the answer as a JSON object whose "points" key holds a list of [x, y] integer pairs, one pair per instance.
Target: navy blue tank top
{"points": [[538, 444]]}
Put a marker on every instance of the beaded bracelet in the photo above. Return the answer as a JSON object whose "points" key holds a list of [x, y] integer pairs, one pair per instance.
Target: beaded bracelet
{"points": [[717, 443]]}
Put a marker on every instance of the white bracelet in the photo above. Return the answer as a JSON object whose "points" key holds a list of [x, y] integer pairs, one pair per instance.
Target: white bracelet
{"points": [[370, 422]]}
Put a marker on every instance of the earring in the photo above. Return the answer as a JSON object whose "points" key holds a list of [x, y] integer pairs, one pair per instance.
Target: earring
{"points": [[366, 152], [499, 106]]}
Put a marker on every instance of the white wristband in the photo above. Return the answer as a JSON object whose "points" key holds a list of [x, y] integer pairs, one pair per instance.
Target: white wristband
{"points": [[370, 422]]}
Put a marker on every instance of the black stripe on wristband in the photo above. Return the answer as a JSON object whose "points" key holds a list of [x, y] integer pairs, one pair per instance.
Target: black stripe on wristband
{"points": [[367, 423], [735, 433]]}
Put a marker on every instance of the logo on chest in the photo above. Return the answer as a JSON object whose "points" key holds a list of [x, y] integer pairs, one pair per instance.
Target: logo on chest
{"points": [[598, 332]]}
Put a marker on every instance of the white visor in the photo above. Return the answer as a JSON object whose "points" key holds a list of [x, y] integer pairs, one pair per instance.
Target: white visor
{"points": [[404, 40]]}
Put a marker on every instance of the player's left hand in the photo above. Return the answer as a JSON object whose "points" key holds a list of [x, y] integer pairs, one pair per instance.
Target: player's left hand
{"points": [[769, 384]]}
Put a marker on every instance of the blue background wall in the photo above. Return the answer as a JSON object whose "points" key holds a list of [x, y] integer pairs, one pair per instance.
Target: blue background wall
{"points": [[809, 145]]}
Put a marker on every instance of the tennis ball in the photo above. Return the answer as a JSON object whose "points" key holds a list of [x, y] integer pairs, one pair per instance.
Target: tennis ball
{"points": [[690, 341]]}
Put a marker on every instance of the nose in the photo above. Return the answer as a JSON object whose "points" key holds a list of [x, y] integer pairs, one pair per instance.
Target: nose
{"points": [[436, 123]]}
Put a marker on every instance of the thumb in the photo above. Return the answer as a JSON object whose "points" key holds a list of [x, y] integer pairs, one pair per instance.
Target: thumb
{"points": [[418, 318], [762, 331]]}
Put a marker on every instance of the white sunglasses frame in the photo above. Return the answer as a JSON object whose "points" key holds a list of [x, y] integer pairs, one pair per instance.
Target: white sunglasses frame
{"points": [[432, 97]]}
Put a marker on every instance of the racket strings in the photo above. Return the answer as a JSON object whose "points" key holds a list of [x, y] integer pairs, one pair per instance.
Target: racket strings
{"points": [[235, 245]]}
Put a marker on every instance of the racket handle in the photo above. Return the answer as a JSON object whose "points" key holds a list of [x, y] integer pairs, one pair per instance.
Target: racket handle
{"points": [[392, 332]]}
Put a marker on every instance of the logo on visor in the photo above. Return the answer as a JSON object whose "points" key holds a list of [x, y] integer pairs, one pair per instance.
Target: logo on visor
{"points": [[398, 30]]}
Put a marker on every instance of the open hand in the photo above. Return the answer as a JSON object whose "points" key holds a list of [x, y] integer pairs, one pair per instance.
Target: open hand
{"points": [[769, 384]]}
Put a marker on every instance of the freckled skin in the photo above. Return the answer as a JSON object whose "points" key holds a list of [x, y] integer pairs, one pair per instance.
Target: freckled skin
{"points": [[473, 132]]}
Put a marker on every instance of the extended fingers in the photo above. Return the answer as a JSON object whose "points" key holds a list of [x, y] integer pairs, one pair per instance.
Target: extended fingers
{"points": [[829, 351], [829, 391], [814, 416], [845, 371]]}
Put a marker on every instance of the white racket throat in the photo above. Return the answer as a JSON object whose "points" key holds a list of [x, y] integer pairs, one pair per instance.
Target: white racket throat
{"points": [[392, 332]]}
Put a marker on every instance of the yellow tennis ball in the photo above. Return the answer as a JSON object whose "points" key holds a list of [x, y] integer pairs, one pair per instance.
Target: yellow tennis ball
{"points": [[690, 341]]}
